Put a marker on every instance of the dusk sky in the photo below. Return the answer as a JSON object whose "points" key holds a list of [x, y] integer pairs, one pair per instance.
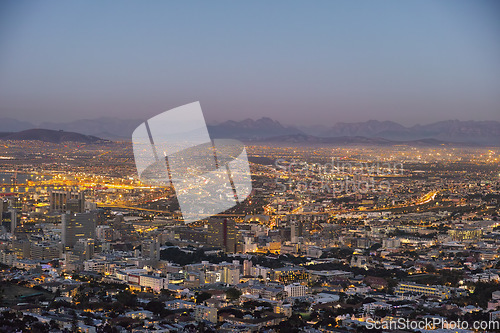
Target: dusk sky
{"points": [[302, 63]]}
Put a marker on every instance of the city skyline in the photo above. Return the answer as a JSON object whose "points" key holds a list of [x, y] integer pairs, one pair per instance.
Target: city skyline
{"points": [[412, 62], [344, 175]]}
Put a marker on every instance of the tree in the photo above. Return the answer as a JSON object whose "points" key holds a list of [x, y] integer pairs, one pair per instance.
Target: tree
{"points": [[203, 297], [354, 299], [127, 298], [88, 321], [380, 313], [74, 321], [430, 268], [156, 307], [108, 329], [292, 324], [39, 327], [233, 294], [166, 293], [53, 324]]}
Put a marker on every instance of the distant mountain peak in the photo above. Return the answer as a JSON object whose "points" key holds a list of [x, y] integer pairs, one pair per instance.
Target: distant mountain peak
{"points": [[453, 130], [264, 127], [248, 122]]}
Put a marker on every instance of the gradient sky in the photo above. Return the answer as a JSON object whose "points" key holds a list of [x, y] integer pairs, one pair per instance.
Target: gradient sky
{"points": [[299, 62]]}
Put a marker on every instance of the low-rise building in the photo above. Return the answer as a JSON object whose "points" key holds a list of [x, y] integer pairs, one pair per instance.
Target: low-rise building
{"points": [[438, 291], [295, 290]]}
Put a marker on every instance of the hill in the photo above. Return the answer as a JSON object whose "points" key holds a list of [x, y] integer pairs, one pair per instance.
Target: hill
{"points": [[52, 136]]}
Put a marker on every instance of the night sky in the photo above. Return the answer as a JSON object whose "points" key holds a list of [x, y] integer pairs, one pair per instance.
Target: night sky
{"points": [[299, 62]]}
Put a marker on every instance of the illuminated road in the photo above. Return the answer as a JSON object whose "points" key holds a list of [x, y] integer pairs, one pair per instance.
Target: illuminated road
{"points": [[157, 211]]}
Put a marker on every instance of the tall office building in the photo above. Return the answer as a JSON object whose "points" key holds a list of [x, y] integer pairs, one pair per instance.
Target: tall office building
{"points": [[8, 220], [64, 201], [105, 233], [247, 267], [84, 248], [45, 250], [150, 249], [22, 248], [76, 226], [294, 232], [13, 220], [231, 275], [222, 233]]}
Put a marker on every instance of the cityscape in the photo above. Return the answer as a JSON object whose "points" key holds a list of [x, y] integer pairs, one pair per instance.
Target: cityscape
{"points": [[250, 166], [331, 239]]}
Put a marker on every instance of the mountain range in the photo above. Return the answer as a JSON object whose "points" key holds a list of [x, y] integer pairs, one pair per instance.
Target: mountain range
{"points": [[358, 140], [479, 132], [266, 129]]}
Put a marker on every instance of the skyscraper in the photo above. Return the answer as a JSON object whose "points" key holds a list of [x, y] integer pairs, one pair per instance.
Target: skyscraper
{"points": [[247, 267], [294, 230], [150, 249], [76, 226], [84, 248], [231, 275], [63, 201], [45, 250], [8, 220], [222, 233]]}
